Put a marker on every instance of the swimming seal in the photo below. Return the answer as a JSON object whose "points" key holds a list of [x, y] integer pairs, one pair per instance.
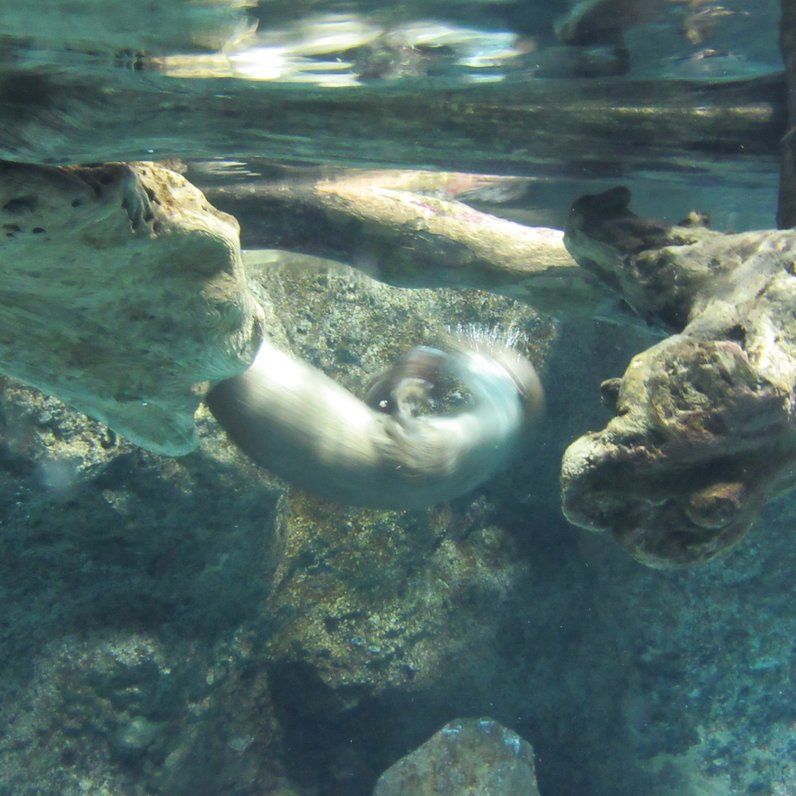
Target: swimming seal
{"points": [[301, 425]]}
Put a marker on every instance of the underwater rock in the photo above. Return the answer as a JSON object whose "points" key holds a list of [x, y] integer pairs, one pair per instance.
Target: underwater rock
{"points": [[367, 605], [208, 725], [128, 665], [467, 757], [122, 291], [704, 430], [133, 738]]}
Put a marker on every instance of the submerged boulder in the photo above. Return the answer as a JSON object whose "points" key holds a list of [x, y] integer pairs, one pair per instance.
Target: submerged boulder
{"points": [[467, 757]]}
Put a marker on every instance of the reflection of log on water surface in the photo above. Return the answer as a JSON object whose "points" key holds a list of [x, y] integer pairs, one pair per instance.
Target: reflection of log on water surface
{"points": [[593, 127]]}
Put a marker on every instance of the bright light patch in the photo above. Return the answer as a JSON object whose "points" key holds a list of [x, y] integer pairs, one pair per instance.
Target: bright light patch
{"points": [[259, 63]]}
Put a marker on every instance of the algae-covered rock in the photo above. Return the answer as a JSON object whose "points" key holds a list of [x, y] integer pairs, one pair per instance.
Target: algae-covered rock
{"points": [[122, 290], [467, 757], [128, 584]]}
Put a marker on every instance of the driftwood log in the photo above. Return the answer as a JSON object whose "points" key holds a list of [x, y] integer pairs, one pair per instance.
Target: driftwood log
{"points": [[122, 291], [704, 428], [407, 239]]}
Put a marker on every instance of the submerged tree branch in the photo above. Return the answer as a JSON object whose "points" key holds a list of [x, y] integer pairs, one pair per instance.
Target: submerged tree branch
{"points": [[411, 240], [704, 431]]}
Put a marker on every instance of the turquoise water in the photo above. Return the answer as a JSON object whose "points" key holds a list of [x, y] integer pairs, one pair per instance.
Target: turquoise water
{"points": [[192, 624]]}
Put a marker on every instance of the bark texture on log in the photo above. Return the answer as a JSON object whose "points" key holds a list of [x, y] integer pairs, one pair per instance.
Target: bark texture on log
{"points": [[122, 290], [411, 240], [704, 430]]}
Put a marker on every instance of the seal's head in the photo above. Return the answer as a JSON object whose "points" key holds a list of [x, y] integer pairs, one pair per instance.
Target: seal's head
{"points": [[497, 351]]}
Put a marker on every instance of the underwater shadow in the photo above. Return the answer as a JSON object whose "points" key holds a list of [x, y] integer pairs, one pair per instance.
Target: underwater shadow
{"points": [[171, 547]]}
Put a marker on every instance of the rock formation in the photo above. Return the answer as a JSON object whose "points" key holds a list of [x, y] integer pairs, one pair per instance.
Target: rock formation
{"points": [[467, 757]]}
